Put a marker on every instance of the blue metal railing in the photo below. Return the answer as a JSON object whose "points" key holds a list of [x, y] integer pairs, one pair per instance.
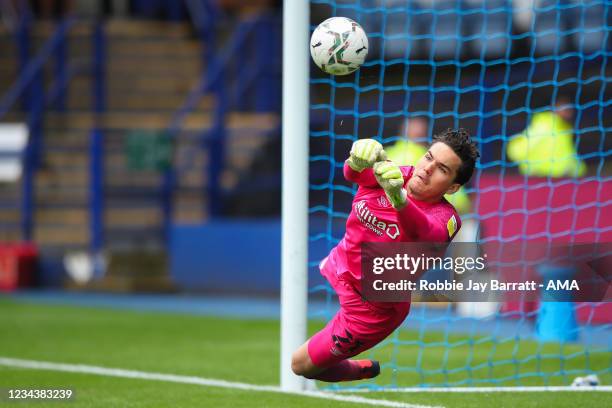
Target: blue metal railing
{"points": [[31, 68], [96, 143], [96, 189], [30, 88], [22, 37], [260, 78], [215, 80]]}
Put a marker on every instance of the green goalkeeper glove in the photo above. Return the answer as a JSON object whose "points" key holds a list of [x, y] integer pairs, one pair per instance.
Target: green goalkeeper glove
{"points": [[389, 177], [364, 153]]}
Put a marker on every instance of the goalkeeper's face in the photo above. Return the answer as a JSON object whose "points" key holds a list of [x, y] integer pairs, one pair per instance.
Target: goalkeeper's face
{"points": [[434, 174]]}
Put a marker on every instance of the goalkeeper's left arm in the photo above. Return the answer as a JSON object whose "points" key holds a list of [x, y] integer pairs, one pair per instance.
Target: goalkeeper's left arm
{"points": [[413, 219], [389, 176]]}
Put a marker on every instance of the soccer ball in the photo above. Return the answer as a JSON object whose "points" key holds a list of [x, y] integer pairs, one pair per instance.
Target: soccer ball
{"points": [[339, 46]]}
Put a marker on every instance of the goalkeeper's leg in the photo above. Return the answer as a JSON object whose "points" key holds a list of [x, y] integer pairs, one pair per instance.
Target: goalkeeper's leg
{"points": [[325, 356], [356, 327], [345, 370]]}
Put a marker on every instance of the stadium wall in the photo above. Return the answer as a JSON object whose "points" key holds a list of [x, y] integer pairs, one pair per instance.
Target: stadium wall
{"points": [[202, 260]]}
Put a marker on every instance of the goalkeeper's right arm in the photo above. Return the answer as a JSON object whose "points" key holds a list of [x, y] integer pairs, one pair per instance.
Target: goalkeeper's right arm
{"points": [[358, 167]]}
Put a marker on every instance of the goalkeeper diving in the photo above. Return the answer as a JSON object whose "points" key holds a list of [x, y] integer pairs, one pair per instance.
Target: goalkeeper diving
{"points": [[392, 204]]}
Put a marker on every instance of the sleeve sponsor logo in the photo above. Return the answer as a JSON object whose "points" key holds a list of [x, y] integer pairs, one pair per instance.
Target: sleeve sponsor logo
{"points": [[451, 226]]}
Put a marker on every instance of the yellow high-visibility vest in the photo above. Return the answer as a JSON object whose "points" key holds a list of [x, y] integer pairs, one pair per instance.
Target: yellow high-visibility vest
{"points": [[546, 148]]}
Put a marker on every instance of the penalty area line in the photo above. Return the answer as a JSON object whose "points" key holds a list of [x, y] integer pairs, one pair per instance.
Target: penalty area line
{"points": [[183, 379]]}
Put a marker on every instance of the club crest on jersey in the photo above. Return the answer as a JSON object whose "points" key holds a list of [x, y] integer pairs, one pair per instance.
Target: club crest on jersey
{"points": [[382, 201], [372, 223]]}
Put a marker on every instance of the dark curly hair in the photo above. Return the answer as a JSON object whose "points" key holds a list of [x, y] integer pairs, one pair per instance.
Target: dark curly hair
{"points": [[460, 141]]}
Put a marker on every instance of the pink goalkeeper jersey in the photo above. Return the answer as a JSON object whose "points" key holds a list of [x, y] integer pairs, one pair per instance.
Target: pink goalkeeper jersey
{"points": [[373, 219]]}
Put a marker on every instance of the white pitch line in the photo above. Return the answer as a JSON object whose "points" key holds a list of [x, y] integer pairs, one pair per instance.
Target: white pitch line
{"points": [[183, 379], [600, 388]]}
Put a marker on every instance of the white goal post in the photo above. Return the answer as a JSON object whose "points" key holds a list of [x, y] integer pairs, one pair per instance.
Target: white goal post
{"points": [[294, 241]]}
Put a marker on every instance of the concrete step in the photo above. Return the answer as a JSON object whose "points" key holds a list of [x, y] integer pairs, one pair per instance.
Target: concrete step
{"points": [[130, 83], [9, 190], [12, 234], [61, 235], [115, 27], [114, 159], [76, 141], [161, 84], [196, 178], [8, 46], [115, 184], [9, 215], [139, 217], [159, 48], [157, 121], [69, 188], [49, 180], [126, 99], [116, 31], [123, 180], [151, 29], [113, 217], [73, 122], [166, 52], [72, 160], [55, 226], [8, 76], [46, 28], [9, 66], [242, 148], [69, 217], [64, 196], [129, 66], [189, 208], [85, 121], [14, 116], [124, 74], [125, 67]]}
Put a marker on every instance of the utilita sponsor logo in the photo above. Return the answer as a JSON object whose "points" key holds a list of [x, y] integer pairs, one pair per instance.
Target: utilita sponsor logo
{"points": [[372, 223]]}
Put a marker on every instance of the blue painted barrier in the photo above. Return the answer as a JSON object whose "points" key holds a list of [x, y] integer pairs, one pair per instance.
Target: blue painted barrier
{"points": [[227, 255], [234, 255]]}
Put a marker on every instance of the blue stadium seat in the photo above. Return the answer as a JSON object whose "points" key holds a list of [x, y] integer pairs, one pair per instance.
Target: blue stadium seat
{"points": [[589, 24], [490, 23], [361, 12], [550, 26], [401, 29], [443, 24]]}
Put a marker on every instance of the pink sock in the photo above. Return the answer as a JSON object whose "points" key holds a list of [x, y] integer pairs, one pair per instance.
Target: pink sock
{"points": [[347, 370]]}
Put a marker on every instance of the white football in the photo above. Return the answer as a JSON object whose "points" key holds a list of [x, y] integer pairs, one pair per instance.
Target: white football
{"points": [[339, 46]]}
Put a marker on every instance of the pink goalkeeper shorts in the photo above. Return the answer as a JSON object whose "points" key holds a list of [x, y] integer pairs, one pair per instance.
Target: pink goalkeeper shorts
{"points": [[358, 326]]}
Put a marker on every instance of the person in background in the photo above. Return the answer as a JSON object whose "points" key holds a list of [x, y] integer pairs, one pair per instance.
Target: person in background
{"points": [[546, 148], [408, 150]]}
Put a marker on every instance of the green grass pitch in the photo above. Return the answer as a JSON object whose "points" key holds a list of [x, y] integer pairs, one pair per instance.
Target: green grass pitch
{"points": [[228, 349]]}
